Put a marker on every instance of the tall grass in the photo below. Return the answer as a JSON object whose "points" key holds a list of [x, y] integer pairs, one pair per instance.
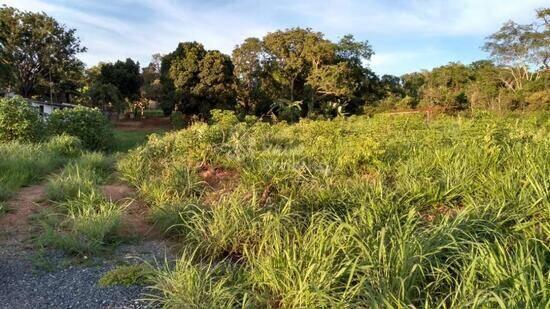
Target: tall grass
{"points": [[81, 221], [388, 211], [22, 164]]}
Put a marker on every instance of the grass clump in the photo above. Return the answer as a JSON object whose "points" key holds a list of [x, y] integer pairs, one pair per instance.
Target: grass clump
{"points": [[127, 275], [79, 177], [86, 225]]}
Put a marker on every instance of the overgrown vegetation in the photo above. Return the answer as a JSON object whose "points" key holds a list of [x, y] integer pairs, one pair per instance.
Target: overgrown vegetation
{"points": [[19, 121], [393, 211]]}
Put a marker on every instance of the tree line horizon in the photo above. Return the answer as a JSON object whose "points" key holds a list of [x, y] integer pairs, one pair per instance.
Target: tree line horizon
{"points": [[290, 73]]}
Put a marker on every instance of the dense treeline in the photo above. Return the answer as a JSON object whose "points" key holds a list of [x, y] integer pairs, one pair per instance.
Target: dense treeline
{"points": [[288, 73]]}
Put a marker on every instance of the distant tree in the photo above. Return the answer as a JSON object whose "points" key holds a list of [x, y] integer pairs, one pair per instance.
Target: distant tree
{"points": [[216, 84], [446, 86], [286, 58], [179, 74], [247, 59], [521, 48], [34, 46], [336, 84], [412, 83], [151, 88], [353, 51], [125, 76], [195, 80], [107, 97], [391, 84]]}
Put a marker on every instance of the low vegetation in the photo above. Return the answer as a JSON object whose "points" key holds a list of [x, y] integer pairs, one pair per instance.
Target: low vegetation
{"points": [[126, 275], [82, 221], [391, 211]]}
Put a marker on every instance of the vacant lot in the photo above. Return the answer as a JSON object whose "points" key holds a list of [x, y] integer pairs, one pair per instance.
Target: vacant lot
{"points": [[394, 210]]}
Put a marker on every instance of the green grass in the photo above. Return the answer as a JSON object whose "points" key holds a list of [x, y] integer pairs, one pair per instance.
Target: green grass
{"points": [[126, 140], [127, 275], [79, 177], [388, 211], [81, 222]]}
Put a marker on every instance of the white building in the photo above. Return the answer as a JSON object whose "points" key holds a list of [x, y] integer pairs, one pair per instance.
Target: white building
{"points": [[46, 108]]}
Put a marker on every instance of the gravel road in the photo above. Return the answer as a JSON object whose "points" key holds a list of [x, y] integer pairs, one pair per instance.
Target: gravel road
{"points": [[65, 285]]}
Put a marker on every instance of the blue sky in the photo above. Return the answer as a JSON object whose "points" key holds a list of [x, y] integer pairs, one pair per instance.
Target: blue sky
{"points": [[406, 35]]}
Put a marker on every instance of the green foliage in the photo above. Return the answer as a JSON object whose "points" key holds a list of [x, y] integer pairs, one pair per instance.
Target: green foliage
{"points": [[124, 75], [89, 125], [153, 113], [177, 120], [387, 211], [197, 80], [126, 140], [89, 225], [19, 121], [36, 48], [127, 275]]}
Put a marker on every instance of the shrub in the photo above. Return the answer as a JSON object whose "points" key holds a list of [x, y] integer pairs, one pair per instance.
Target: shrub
{"points": [[19, 121], [88, 124], [176, 118]]}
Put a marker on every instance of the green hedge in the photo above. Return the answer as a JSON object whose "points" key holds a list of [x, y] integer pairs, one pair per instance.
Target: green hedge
{"points": [[88, 124]]}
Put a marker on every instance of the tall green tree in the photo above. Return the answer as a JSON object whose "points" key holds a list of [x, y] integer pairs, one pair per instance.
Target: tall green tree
{"points": [[216, 84], [249, 73], [289, 56], [125, 76], [35, 46], [195, 80], [446, 87]]}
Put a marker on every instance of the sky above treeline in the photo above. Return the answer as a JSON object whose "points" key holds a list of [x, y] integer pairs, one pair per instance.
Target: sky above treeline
{"points": [[406, 35]]}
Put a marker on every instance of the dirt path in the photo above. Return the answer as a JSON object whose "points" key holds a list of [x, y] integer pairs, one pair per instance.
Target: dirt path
{"points": [[15, 226], [26, 283], [134, 217]]}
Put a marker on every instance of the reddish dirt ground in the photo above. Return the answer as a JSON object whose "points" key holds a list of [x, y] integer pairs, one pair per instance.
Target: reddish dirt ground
{"points": [[144, 124], [15, 224], [134, 217]]}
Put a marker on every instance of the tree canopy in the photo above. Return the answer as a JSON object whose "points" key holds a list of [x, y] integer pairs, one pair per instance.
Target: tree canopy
{"points": [[35, 47]]}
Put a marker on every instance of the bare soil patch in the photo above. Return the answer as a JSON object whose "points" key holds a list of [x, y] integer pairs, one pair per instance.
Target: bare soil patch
{"points": [[134, 216], [144, 124], [15, 225]]}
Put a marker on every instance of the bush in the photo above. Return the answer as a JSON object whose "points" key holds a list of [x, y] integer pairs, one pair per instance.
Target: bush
{"points": [[88, 124], [176, 118], [19, 121]]}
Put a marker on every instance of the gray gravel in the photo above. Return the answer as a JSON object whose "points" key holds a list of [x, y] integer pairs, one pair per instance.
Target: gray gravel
{"points": [[66, 285]]}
